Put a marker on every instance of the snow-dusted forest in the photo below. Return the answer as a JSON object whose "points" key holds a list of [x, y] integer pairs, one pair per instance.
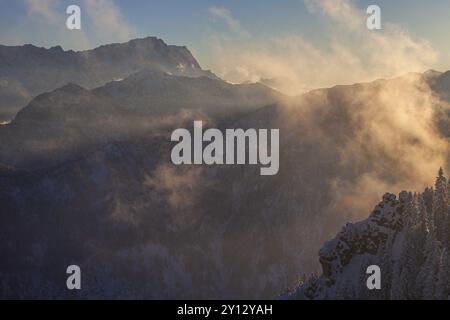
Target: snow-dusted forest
{"points": [[408, 237]]}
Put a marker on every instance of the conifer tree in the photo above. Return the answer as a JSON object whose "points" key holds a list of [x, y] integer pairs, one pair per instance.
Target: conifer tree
{"points": [[427, 274], [440, 207]]}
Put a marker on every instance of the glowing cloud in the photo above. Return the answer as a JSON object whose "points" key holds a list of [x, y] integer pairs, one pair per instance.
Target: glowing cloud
{"points": [[352, 54]]}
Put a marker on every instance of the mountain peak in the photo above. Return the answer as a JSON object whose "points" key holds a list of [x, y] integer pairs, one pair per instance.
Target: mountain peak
{"points": [[54, 67]]}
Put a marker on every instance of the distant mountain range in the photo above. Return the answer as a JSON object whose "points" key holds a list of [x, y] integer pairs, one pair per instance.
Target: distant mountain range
{"points": [[64, 122], [27, 71], [86, 177]]}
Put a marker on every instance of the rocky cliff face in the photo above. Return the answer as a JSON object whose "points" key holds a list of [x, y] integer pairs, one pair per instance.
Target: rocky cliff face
{"points": [[356, 247]]}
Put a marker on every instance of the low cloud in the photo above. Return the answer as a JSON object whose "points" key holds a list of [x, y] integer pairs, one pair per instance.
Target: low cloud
{"points": [[352, 53], [376, 137]]}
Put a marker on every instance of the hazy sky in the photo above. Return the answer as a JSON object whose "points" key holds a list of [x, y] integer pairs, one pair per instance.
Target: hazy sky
{"points": [[238, 39]]}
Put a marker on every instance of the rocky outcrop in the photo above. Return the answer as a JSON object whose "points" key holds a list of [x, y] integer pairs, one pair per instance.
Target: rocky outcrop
{"points": [[364, 239], [408, 239]]}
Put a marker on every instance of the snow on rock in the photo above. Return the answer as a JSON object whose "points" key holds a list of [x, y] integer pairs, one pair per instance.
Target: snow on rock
{"points": [[356, 243]]}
